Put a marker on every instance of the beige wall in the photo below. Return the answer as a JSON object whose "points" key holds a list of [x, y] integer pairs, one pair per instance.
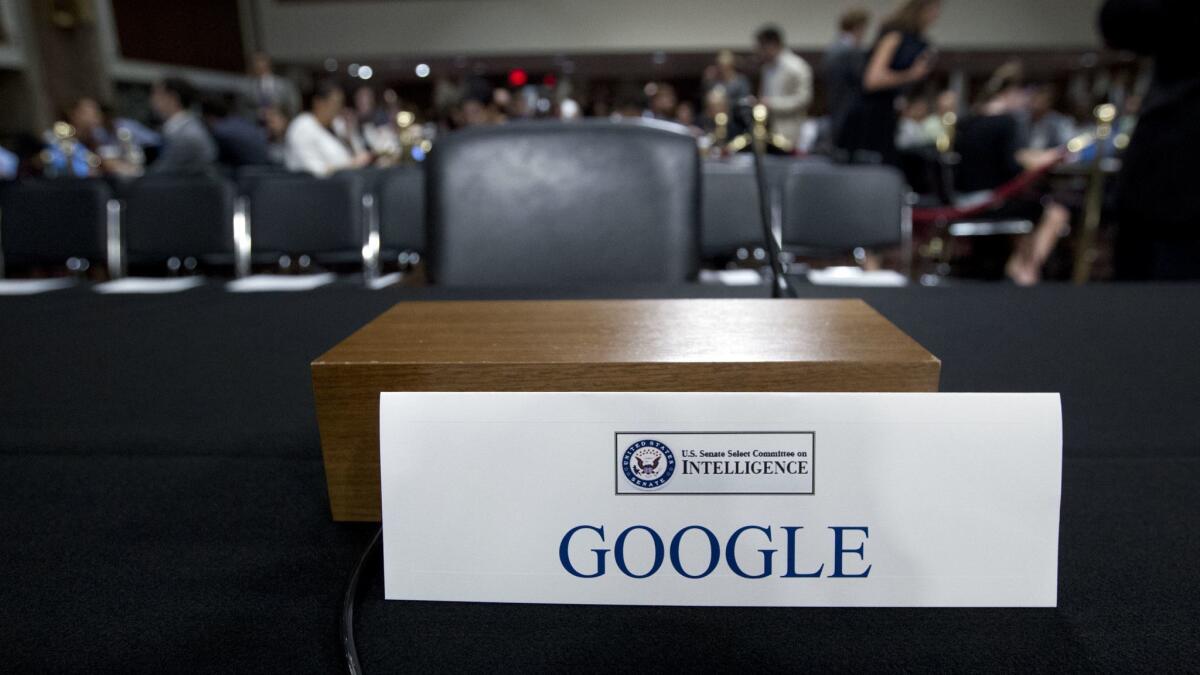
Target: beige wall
{"points": [[314, 30]]}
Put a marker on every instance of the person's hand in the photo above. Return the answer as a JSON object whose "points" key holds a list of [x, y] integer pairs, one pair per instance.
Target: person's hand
{"points": [[921, 68], [362, 160]]}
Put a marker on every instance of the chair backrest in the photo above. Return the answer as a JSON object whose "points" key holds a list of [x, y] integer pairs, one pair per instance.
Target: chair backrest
{"points": [[178, 216], [298, 213], [830, 207], [731, 216], [401, 203], [48, 222], [547, 203]]}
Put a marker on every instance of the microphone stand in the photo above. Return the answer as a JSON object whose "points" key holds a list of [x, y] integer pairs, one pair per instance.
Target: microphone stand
{"points": [[755, 118]]}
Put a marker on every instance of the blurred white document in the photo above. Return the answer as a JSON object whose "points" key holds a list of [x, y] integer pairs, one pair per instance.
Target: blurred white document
{"points": [[149, 285], [34, 286], [854, 276], [262, 283], [740, 499]]}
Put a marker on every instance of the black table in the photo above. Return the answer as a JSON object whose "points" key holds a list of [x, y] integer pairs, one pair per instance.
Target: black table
{"points": [[164, 503]]}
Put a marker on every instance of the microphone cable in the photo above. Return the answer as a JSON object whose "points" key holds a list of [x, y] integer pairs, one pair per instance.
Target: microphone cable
{"points": [[350, 599]]}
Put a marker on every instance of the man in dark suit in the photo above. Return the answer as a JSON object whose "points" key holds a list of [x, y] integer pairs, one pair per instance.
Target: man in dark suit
{"points": [[187, 146], [1158, 207], [843, 65]]}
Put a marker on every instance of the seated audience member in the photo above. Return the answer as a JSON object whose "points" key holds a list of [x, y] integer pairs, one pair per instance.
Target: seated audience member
{"points": [[240, 142], [95, 145], [913, 133], [1157, 205], [187, 145], [275, 123], [786, 87], [662, 102], [312, 145], [374, 124], [988, 143], [1048, 128], [9, 164]]}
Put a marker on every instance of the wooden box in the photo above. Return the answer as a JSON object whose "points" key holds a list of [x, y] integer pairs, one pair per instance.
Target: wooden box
{"points": [[618, 345]]}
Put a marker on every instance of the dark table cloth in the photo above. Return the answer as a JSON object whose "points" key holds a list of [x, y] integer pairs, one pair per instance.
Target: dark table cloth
{"points": [[163, 506]]}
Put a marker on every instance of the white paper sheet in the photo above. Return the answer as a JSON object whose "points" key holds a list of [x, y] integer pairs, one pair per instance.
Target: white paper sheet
{"points": [[260, 283], [903, 499], [149, 285], [853, 276], [384, 281], [742, 277], [34, 286]]}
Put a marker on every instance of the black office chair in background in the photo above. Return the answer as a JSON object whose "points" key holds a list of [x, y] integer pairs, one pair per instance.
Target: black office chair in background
{"points": [[564, 203], [731, 228], [831, 209], [400, 201], [72, 223], [179, 222], [297, 218]]}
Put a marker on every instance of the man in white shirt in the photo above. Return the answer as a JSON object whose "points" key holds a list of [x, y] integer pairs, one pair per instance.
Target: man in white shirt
{"points": [[786, 87], [311, 144]]}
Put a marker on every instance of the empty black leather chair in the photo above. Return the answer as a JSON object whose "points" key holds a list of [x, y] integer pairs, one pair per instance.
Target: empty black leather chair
{"points": [[732, 220], [174, 219], [836, 208], [586, 202], [55, 221], [297, 215], [400, 199]]}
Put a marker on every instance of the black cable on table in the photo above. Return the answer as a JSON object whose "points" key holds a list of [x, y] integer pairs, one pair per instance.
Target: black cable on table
{"points": [[350, 599]]}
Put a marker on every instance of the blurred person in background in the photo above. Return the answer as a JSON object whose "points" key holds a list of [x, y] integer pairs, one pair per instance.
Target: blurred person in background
{"points": [[374, 124], [786, 87], [1048, 128], [912, 132], [111, 147], [988, 142], [685, 114], [900, 58], [275, 123], [9, 164], [842, 66], [240, 142], [312, 145], [1158, 206], [271, 90], [187, 145], [732, 86], [662, 102]]}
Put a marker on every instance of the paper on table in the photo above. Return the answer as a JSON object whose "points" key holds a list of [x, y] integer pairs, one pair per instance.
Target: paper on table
{"points": [[149, 285], [853, 276], [384, 281], [34, 286], [930, 500], [273, 282], [743, 277]]}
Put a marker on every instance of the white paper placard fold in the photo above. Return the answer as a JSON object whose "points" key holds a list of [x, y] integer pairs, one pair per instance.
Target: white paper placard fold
{"points": [[709, 499]]}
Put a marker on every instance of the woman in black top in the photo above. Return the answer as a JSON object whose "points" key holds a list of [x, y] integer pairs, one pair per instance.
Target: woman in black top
{"points": [[900, 57], [1158, 205]]}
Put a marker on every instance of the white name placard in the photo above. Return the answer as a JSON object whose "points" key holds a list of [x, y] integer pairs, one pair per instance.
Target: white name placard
{"points": [[923, 500]]}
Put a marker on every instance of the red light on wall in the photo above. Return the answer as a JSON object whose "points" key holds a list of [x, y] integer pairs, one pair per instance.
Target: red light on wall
{"points": [[517, 77], [549, 80]]}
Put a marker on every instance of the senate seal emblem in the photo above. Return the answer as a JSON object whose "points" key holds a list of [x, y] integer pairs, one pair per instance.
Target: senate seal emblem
{"points": [[648, 464]]}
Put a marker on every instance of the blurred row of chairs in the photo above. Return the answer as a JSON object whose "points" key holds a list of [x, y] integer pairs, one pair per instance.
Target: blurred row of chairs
{"points": [[512, 205]]}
